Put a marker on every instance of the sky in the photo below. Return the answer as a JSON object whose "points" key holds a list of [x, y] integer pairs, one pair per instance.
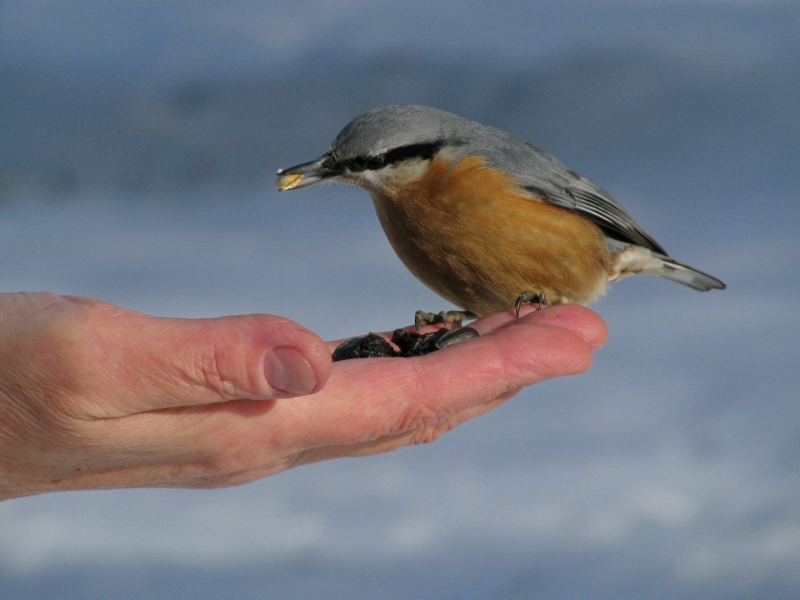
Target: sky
{"points": [[670, 469]]}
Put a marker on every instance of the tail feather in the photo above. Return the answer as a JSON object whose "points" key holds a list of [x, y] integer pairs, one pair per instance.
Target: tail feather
{"points": [[636, 260], [675, 271]]}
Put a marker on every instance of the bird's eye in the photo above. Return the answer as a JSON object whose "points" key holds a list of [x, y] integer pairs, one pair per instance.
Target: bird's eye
{"points": [[375, 162]]}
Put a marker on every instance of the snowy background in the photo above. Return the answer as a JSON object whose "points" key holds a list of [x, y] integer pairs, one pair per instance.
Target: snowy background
{"points": [[138, 146]]}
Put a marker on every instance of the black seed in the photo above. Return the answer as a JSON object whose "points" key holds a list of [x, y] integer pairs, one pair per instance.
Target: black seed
{"points": [[369, 346], [462, 334]]}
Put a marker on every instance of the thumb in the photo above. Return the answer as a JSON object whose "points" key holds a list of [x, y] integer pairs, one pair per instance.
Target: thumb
{"points": [[120, 362]]}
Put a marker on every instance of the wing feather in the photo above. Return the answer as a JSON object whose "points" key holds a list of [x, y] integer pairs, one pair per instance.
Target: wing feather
{"points": [[545, 178]]}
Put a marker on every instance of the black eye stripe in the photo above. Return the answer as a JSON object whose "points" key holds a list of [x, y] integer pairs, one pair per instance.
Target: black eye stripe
{"points": [[332, 163], [396, 155], [423, 151]]}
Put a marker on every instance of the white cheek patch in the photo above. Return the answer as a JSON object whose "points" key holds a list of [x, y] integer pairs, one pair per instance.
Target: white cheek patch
{"points": [[391, 176]]}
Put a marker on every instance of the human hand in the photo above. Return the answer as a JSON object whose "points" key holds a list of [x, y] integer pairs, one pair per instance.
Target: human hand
{"points": [[93, 396]]}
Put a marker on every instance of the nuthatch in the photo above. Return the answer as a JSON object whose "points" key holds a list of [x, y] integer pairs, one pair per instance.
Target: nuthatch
{"points": [[485, 219]]}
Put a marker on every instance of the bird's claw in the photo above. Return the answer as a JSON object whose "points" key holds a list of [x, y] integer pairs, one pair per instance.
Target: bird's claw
{"points": [[529, 297], [422, 318]]}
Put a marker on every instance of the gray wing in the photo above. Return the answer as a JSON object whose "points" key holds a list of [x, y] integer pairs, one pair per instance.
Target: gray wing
{"points": [[547, 179], [587, 199]]}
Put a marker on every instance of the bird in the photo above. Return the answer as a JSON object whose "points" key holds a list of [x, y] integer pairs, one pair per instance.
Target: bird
{"points": [[485, 219]]}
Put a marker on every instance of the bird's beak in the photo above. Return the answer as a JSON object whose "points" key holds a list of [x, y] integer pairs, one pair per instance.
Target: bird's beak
{"points": [[303, 175]]}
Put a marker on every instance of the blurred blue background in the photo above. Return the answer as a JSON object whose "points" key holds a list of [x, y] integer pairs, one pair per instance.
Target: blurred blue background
{"points": [[138, 146]]}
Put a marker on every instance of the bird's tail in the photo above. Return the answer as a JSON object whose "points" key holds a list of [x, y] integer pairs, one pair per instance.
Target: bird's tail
{"points": [[675, 271], [636, 260]]}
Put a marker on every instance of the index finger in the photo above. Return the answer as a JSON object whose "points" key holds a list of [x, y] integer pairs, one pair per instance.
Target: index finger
{"points": [[368, 398]]}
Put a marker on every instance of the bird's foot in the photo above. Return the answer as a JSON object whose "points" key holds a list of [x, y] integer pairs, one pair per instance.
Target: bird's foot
{"points": [[529, 297], [422, 318]]}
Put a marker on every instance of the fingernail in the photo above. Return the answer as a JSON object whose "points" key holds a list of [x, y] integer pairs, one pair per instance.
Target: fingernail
{"points": [[288, 371]]}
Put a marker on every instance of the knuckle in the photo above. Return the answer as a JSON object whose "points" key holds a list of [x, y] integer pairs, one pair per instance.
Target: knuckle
{"points": [[430, 434], [240, 462], [421, 405], [418, 416], [224, 463], [210, 371], [229, 364]]}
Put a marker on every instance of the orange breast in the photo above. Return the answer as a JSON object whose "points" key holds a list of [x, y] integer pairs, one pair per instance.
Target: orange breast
{"points": [[476, 238]]}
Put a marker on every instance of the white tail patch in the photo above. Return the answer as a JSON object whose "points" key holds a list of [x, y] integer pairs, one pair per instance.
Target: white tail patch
{"points": [[635, 260]]}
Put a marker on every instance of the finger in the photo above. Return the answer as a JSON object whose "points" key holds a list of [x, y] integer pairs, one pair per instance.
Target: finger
{"points": [[501, 318], [574, 317], [156, 363], [400, 394], [389, 443]]}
